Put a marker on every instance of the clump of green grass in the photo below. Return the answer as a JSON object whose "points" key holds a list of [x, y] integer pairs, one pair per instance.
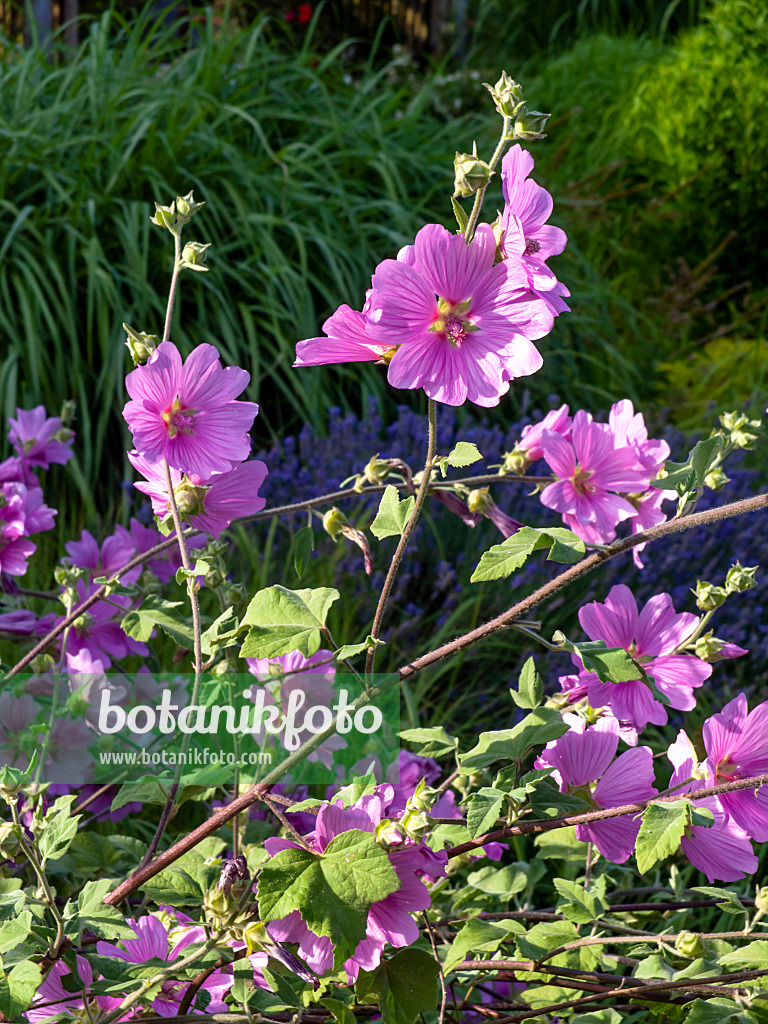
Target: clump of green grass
{"points": [[312, 171]]}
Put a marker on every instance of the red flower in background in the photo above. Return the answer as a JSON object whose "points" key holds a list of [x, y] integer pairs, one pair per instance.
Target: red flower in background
{"points": [[305, 13]]}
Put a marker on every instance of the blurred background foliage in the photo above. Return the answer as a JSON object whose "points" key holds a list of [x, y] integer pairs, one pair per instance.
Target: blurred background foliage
{"points": [[318, 159]]}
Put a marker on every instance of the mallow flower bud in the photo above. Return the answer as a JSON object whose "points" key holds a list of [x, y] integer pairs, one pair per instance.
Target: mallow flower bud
{"points": [[529, 126], [190, 499], [507, 96], [67, 414], [416, 824], [761, 899], [515, 461], [740, 578], [389, 833], [179, 213], [334, 522], [689, 945], [194, 255], [708, 647], [708, 596], [716, 480], [377, 470], [140, 345], [470, 173]]}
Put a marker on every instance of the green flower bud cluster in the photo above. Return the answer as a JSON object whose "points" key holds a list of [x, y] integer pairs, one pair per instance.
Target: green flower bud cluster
{"points": [[508, 100], [140, 345], [334, 522], [507, 96], [470, 173], [741, 430], [180, 212], [761, 899]]}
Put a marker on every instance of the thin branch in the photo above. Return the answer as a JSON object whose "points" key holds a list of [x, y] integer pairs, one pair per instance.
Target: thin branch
{"points": [[579, 569]]}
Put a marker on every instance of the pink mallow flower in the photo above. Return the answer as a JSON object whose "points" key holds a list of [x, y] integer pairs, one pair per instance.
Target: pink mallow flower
{"points": [[651, 637], [592, 475], [557, 420], [40, 439], [463, 328], [22, 512], [56, 1003], [98, 631], [736, 741], [524, 231], [152, 940], [389, 920], [207, 503], [723, 851], [584, 763], [347, 340], [186, 413]]}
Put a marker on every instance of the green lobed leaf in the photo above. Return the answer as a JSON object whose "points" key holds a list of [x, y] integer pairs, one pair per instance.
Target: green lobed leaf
{"points": [[18, 987], [731, 903], [661, 831], [500, 882], [403, 986], [530, 688], [222, 632], [548, 802], [342, 1014], [479, 936], [687, 478], [93, 914], [332, 891], [434, 742], [283, 620], [155, 611], [350, 650], [718, 1011], [464, 453], [200, 568], [483, 810], [503, 559], [597, 1017], [752, 957], [15, 931], [578, 903], [57, 829], [536, 729], [393, 514]]}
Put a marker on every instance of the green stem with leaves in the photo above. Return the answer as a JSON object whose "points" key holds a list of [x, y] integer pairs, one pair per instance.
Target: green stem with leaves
{"points": [[30, 852], [469, 232], [397, 558]]}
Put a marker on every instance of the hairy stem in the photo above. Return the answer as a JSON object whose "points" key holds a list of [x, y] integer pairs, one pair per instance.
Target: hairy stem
{"points": [[198, 655], [397, 558], [474, 216]]}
